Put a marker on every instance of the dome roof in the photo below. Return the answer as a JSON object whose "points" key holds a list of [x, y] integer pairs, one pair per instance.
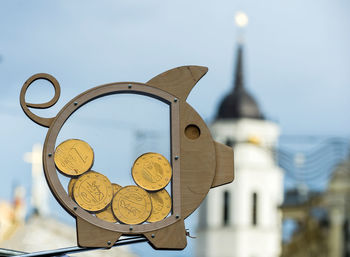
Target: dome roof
{"points": [[239, 103]]}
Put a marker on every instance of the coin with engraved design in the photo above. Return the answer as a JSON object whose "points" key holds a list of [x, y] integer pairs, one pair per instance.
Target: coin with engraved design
{"points": [[73, 157], [93, 191], [161, 205], [131, 205], [151, 171]]}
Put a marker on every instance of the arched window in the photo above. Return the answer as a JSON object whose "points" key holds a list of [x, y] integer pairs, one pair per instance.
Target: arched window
{"points": [[226, 210], [255, 209]]}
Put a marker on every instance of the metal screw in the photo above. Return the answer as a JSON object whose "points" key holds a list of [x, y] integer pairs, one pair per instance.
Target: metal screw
{"points": [[131, 228], [177, 157], [153, 236], [75, 208], [75, 103], [175, 100], [109, 242], [177, 216], [129, 86], [50, 154]]}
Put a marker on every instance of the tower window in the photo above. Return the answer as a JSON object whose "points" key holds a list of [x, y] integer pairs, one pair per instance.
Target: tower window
{"points": [[255, 209], [226, 210]]}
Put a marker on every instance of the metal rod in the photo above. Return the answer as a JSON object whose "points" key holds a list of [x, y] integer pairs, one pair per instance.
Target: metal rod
{"points": [[76, 249]]}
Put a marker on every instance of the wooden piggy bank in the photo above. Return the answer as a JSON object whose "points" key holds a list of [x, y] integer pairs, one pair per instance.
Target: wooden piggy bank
{"points": [[198, 163]]}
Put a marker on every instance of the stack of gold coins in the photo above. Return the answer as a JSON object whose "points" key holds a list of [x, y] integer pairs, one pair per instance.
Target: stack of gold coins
{"points": [[91, 190], [147, 202], [152, 172]]}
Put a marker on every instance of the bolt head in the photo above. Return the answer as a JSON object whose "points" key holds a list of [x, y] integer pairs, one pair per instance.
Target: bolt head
{"points": [[109, 242], [49, 154], [153, 236], [175, 100], [129, 86], [75, 103], [177, 157]]}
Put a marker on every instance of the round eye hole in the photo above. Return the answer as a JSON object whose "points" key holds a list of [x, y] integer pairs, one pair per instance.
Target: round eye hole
{"points": [[192, 132]]}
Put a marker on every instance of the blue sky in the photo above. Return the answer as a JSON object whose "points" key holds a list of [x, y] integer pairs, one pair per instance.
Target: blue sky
{"points": [[297, 60]]}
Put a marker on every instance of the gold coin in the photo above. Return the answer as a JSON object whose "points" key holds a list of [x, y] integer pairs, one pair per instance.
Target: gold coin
{"points": [[70, 186], [161, 205], [116, 187], [107, 215], [151, 171], [73, 157], [93, 191], [131, 205]]}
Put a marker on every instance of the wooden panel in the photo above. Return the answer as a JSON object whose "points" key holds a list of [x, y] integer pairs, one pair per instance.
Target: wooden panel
{"points": [[171, 237], [197, 161], [197, 150], [179, 81], [224, 172], [89, 235]]}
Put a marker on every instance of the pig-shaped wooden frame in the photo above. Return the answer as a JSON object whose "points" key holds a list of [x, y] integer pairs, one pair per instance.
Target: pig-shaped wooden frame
{"points": [[199, 163]]}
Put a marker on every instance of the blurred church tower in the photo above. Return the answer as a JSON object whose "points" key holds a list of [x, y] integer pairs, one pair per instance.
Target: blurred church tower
{"points": [[242, 219]]}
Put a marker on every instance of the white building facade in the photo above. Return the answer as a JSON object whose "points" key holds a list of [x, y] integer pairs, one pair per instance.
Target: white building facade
{"points": [[242, 219]]}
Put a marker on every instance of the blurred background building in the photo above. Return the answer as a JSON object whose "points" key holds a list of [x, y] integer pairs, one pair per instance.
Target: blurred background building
{"points": [[321, 218], [311, 201], [239, 215]]}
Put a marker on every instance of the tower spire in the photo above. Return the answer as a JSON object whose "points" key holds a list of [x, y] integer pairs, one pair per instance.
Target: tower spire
{"points": [[239, 103], [239, 80]]}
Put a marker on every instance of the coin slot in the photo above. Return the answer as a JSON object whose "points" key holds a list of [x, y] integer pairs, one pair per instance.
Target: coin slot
{"points": [[192, 132]]}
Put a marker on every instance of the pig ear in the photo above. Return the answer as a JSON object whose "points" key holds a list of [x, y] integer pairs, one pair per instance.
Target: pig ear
{"points": [[179, 81]]}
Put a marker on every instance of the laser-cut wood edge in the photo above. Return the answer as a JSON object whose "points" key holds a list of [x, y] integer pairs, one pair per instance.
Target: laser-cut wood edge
{"points": [[172, 237], [224, 171], [89, 235], [179, 81]]}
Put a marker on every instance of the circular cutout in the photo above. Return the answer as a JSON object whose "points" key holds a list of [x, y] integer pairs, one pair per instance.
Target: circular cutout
{"points": [[192, 132], [161, 205], [151, 171], [93, 191], [73, 157], [131, 205], [52, 137]]}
